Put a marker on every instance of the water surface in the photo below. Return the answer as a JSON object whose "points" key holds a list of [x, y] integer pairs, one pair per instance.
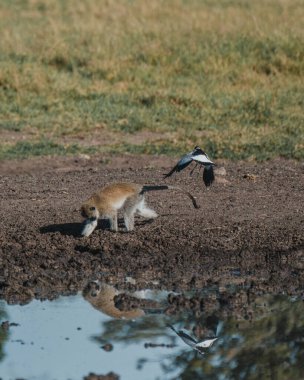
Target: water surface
{"points": [[63, 339]]}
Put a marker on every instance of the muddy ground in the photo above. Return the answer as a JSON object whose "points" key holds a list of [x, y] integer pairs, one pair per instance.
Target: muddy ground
{"points": [[249, 229]]}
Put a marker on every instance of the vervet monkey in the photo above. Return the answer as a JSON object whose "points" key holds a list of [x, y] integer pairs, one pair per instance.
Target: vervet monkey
{"points": [[128, 197]]}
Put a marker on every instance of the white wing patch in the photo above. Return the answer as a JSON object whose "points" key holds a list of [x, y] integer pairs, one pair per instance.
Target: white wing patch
{"points": [[206, 343], [202, 158]]}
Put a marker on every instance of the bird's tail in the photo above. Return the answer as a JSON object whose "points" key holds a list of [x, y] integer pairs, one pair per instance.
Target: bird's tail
{"points": [[208, 175], [167, 187]]}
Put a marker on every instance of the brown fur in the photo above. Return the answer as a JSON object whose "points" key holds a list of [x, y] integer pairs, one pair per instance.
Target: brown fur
{"points": [[111, 198], [128, 197], [101, 296], [106, 197]]}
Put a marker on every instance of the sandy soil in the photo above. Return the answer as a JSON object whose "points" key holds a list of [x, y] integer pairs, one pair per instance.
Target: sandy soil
{"points": [[249, 229]]}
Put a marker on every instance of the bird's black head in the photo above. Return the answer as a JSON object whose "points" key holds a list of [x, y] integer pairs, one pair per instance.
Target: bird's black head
{"points": [[197, 150]]}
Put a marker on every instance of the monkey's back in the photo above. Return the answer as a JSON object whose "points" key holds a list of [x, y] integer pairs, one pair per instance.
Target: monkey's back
{"points": [[120, 189], [115, 194]]}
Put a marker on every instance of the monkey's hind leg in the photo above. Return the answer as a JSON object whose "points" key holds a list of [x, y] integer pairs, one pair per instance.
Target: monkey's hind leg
{"points": [[129, 211], [143, 210]]}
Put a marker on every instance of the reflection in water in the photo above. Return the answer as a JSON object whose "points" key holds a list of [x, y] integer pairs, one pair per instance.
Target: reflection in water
{"points": [[3, 332], [101, 296], [106, 298], [200, 346], [267, 345]]}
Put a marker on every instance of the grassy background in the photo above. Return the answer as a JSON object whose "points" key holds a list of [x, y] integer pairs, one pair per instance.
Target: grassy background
{"points": [[152, 77]]}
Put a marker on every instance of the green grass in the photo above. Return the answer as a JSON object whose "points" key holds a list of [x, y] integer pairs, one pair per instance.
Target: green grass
{"points": [[26, 149], [227, 75]]}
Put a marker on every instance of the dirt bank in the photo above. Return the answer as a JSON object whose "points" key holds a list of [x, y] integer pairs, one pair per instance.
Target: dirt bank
{"points": [[249, 227]]}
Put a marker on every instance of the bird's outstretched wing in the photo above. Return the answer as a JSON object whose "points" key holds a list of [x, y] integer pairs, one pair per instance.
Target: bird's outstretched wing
{"points": [[203, 346], [208, 175], [201, 158], [205, 343], [184, 161], [182, 164], [185, 337]]}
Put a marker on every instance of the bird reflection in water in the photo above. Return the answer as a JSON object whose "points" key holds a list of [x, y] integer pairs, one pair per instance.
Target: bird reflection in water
{"points": [[201, 346]]}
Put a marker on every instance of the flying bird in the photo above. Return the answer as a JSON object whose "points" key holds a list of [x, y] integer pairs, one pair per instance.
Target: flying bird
{"points": [[201, 159], [201, 346]]}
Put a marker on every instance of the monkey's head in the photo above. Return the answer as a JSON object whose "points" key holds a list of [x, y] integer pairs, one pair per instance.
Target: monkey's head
{"points": [[89, 211], [92, 289]]}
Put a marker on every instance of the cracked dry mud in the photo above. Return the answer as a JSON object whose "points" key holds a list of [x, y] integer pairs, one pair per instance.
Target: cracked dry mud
{"points": [[249, 229]]}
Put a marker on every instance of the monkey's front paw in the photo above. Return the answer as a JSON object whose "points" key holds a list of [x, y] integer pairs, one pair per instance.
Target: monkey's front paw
{"points": [[88, 227]]}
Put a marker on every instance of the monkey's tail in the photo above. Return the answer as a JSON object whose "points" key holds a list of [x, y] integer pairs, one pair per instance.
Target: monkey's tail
{"points": [[167, 187]]}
